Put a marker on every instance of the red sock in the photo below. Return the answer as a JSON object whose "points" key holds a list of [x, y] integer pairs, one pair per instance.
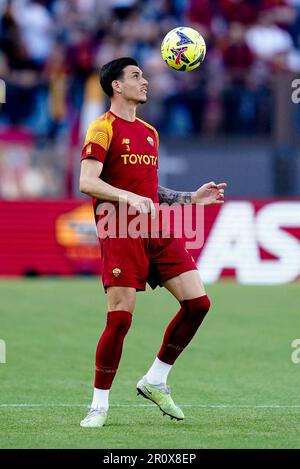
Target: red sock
{"points": [[182, 328], [109, 350]]}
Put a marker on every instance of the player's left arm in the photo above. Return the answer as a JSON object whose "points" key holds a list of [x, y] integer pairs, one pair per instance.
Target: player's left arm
{"points": [[209, 193]]}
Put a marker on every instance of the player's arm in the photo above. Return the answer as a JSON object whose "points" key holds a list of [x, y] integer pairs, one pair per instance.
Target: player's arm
{"points": [[90, 183], [209, 193], [169, 196]]}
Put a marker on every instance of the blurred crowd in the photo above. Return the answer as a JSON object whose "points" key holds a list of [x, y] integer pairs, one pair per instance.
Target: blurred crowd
{"points": [[51, 52]]}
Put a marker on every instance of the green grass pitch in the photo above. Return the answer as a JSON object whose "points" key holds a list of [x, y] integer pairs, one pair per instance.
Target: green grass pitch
{"points": [[236, 382]]}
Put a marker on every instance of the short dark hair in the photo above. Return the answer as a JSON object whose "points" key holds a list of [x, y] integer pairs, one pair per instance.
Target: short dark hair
{"points": [[113, 71]]}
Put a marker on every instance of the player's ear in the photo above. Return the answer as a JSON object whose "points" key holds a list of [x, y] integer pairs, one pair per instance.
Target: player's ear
{"points": [[116, 86]]}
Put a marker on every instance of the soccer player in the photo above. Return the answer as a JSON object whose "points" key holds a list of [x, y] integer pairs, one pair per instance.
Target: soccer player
{"points": [[119, 165]]}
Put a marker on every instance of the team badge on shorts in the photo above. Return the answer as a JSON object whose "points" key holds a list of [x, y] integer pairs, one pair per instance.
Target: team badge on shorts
{"points": [[116, 272]]}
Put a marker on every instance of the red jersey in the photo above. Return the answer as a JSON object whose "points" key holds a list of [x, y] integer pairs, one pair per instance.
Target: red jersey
{"points": [[128, 151]]}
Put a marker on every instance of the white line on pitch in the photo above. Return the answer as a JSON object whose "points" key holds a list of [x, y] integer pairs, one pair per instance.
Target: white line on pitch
{"points": [[203, 406]]}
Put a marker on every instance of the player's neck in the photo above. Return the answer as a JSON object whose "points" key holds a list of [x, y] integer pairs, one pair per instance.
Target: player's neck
{"points": [[127, 112]]}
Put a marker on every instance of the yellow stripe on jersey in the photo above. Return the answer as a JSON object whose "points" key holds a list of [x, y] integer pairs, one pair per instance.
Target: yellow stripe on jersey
{"points": [[100, 131], [150, 127]]}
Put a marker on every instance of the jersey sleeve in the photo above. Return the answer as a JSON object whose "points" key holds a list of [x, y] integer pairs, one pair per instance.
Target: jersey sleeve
{"points": [[97, 140]]}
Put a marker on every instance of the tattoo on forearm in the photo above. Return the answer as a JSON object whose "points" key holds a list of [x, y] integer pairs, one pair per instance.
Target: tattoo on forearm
{"points": [[170, 197]]}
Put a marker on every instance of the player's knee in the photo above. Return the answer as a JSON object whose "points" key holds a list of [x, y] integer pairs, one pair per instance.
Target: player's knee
{"points": [[121, 300], [197, 308], [121, 306], [120, 321]]}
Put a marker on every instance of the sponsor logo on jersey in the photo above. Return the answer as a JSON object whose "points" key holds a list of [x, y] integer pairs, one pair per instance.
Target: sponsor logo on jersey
{"points": [[139, 159], [89, 149]]}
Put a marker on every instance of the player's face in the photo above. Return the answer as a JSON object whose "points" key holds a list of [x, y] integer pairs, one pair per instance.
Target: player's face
{"points": [[133, 85]]}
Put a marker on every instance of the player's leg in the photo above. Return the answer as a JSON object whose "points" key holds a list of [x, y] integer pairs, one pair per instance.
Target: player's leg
{"points": [[121, 302], [175, 269], [188, 289], [186, 286], [124, 270]]}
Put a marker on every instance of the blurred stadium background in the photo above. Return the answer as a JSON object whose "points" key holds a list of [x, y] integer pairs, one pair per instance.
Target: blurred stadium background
{"points": [[233, 106], [232, 120]]}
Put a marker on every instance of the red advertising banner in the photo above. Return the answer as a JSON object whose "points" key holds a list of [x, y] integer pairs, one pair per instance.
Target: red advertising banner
{"points": [[48, 238], [258, 242]]}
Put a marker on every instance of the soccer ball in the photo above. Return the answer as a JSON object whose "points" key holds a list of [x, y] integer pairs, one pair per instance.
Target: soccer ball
{"points": [[183, 49]]}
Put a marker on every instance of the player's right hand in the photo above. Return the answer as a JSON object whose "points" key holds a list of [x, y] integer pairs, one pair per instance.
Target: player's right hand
{"points": [[142, 204]]}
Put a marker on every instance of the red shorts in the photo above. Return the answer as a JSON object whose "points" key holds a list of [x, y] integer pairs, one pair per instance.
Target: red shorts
{"points": [[128, 262]]}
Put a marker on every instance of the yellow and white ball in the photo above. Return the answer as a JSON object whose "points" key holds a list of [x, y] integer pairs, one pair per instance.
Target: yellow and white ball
{"points": [[183, 49]]}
